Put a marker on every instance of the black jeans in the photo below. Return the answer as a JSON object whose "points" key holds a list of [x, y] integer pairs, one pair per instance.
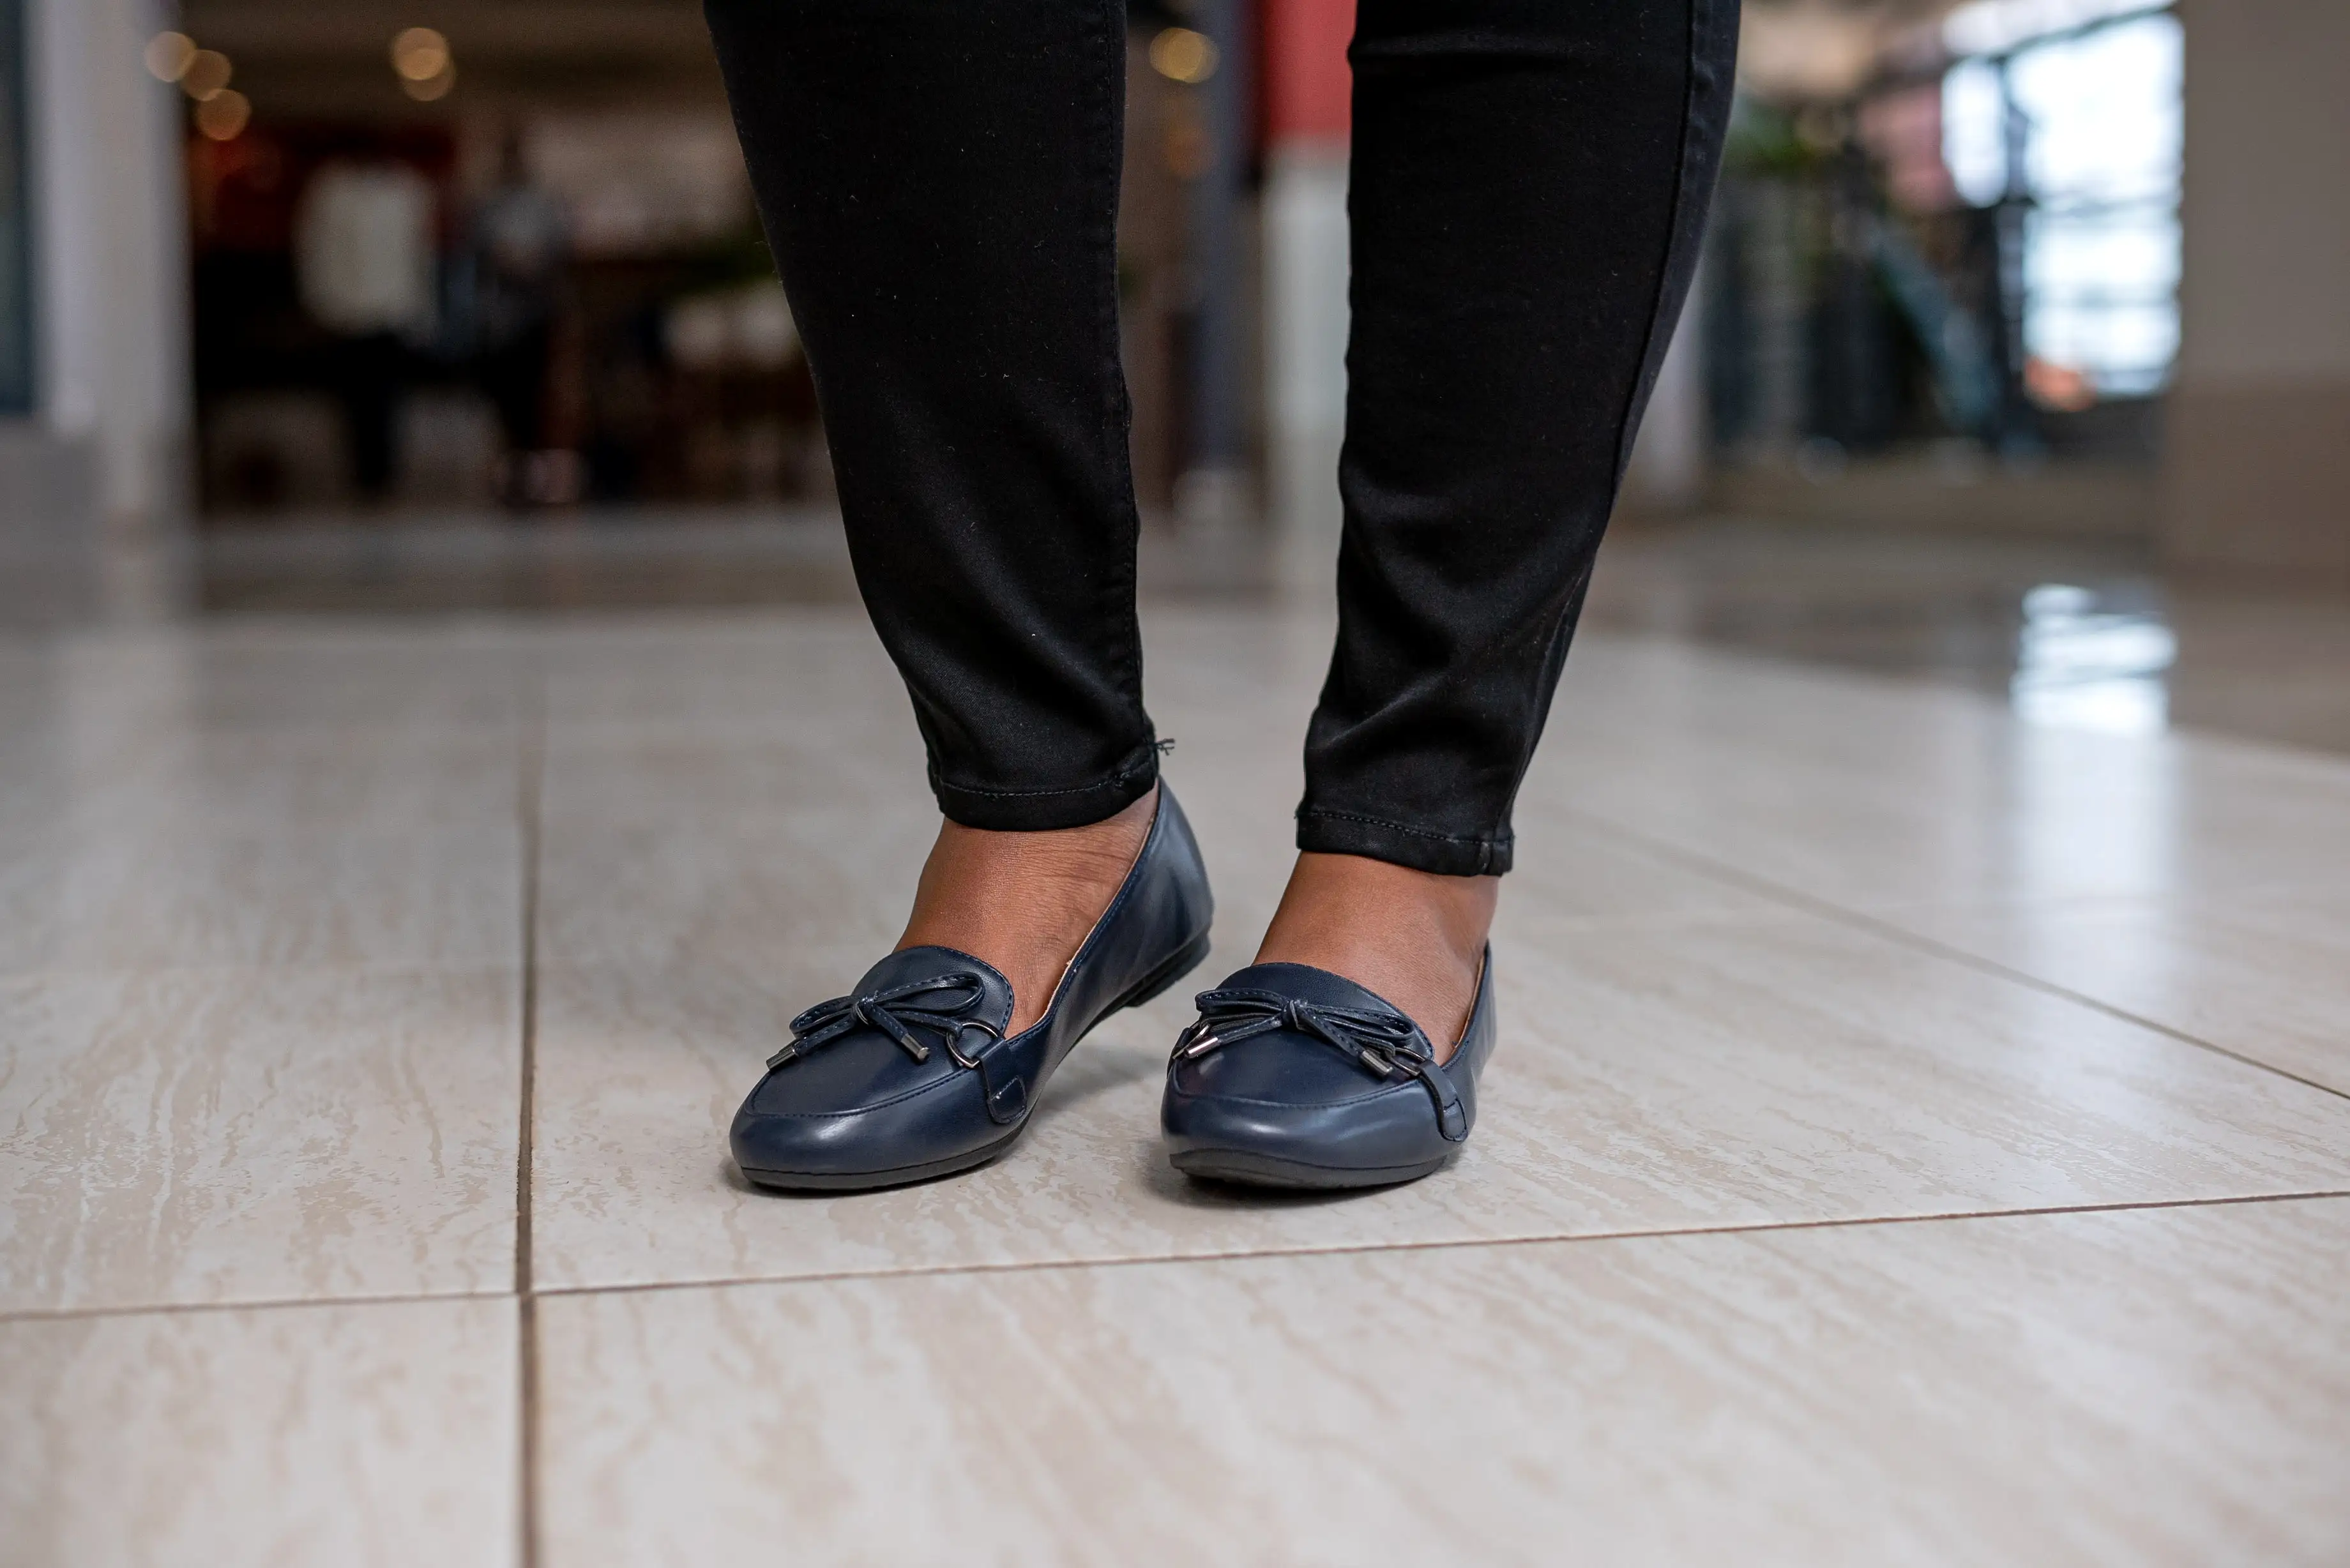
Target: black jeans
{"points": [[939, 179]]}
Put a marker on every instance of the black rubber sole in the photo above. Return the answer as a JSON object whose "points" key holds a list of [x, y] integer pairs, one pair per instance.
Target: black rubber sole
{"points": [[1246, 1170], [874, 1180], [1145, 990]]}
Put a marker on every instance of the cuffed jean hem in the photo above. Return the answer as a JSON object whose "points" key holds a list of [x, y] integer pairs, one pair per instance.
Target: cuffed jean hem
{"points": [[1039, 811], [1420, 848]]}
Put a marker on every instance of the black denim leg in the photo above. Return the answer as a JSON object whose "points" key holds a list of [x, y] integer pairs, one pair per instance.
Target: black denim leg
{"points": [[1529, 190], [939, 179]]}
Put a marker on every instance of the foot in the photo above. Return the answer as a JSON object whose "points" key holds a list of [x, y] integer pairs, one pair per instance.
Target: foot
{"points": [[1024, 901], [1413, 937]]}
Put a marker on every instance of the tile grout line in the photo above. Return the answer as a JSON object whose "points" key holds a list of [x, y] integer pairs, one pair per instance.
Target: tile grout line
{"points": [[1461, 1243], [528, 791], [1878, 926], [257, 1304]]}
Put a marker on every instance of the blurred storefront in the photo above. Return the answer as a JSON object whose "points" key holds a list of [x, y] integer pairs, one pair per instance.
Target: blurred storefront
{"points": [[597, 321], [2054, 267], [508, 258], [2065, 267], [419, 260], [1945, 268]]}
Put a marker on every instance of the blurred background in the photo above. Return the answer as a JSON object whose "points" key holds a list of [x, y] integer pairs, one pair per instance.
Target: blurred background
{"points": [[2020, 354]]}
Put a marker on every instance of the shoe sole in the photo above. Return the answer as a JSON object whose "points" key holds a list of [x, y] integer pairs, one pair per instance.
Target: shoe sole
{"points": [[1147, 989], [1243, 1168]]}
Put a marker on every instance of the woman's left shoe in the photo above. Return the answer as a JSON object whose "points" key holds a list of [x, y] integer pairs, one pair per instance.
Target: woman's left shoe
{"points": [[1294, 1076]]}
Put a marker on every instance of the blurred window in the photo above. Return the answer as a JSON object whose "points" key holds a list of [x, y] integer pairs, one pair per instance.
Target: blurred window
{"points": [[363, 250], [16, 219], [2085, 128], [1974, 133]]}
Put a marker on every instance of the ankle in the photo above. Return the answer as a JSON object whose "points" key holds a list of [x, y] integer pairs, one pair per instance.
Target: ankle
{"points": [[1415, 937], [1024, 903], [1346, 897]]}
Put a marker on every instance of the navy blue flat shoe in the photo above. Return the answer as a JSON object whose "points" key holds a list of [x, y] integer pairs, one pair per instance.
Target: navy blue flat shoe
{"points": [[1294, 1076], [911, 1077]]}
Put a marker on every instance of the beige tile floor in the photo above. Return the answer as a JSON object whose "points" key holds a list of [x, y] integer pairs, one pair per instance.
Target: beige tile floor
{"points": [[1916, 1139]]}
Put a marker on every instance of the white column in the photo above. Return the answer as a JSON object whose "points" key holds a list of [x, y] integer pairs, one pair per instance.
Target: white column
{"points": [[111, 288], [2256, 466], [1305, 321], [1668, 471]]}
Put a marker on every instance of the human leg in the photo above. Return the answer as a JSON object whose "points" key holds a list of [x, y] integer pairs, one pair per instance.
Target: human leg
{"points": [[939, 185], [1529, 185], [1530, 181]]}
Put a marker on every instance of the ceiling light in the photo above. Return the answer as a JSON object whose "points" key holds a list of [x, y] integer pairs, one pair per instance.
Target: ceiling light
{"points": [[432, 87], [1181, 55], [419, 54], [223, 116], [205, 75], [168, 55]]}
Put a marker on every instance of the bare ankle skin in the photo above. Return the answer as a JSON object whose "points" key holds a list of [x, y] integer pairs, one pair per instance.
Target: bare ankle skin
{"points": [[1024, 901], [1415, 937]]}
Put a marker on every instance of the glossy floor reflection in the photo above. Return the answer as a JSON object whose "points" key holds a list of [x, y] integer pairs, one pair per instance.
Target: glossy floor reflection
{"points": [[1920, 1133], [2081, 634]]}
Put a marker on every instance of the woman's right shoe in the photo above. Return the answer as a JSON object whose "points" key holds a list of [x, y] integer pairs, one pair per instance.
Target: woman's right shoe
{"points": [[1294, 1076], [910, 1076]]}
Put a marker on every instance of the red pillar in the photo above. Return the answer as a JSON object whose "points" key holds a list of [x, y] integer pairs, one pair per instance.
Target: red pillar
{"points": [[1306, 86]]}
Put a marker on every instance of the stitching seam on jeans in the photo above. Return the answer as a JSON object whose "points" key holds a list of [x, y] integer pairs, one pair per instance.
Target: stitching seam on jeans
{"points": [[1110, 781], [1649, 352], [1481, 841], [1117, 611]]}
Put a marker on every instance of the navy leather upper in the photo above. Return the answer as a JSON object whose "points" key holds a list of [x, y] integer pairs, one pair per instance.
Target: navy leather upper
{"points": [[911, 1068], [1296, 1065]]}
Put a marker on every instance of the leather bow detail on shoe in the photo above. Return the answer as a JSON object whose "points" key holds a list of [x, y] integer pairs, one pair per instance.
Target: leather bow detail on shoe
{"points": [[958, 996], [1227, 1017], [1382, 1039]]}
